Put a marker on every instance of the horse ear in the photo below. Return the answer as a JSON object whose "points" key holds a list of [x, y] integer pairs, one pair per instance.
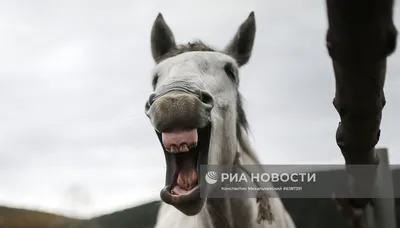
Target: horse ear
{"points": [[162, 38], [241, 46]]}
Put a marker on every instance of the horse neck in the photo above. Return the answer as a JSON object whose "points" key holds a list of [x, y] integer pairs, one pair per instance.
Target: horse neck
{"points": [[234, 212], [230, 213]]}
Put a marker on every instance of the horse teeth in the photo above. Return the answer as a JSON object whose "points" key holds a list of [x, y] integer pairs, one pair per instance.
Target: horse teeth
{"points": [[173, 149], [184, 148]]}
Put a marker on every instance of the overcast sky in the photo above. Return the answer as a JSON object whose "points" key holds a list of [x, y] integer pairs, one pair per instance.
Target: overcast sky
{"points": [[74, 77]]}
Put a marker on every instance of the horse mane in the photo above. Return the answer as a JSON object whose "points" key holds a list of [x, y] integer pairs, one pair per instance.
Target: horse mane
{"points": [[197, 45], [242, 129]]}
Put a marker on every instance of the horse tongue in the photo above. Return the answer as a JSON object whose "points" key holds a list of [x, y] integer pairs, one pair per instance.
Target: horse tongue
{"points": [[187, 177]]}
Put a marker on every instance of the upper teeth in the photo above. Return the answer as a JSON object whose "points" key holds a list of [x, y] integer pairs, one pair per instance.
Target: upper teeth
{"points": [[182, 148], [179, 140], [173, 149]]}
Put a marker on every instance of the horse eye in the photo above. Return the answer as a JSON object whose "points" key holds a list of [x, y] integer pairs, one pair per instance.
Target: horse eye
{"points": [[230, 71]]}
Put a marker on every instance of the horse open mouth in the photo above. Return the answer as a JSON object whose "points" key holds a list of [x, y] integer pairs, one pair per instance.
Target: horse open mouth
{"points": [[185, 151]]}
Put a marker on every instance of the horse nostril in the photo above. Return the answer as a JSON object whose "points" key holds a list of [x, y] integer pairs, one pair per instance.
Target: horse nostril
{"points": [[150, 101], [206, 98], [152, 98]]}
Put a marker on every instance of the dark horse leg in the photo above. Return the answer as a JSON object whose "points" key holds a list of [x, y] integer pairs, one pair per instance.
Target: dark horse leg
{"points": [[360, 37]]}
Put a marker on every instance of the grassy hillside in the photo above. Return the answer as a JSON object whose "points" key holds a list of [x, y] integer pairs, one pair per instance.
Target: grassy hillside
{"points": [[142, 216], [307, 213], [21, 218]]}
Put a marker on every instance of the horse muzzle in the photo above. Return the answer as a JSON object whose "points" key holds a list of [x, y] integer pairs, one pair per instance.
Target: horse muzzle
{"points": [[179, 110], [182, 122]]}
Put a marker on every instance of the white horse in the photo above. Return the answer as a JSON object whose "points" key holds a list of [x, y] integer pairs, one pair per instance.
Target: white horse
{"points": [[197, 113]]}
